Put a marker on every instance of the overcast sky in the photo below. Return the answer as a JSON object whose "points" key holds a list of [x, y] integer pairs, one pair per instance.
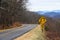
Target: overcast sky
{"points": [[49, 5]]}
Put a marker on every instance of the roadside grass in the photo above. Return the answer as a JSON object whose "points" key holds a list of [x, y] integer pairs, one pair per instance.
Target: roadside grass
{"points": [[2, 30], [34, 34], [14, 25]]}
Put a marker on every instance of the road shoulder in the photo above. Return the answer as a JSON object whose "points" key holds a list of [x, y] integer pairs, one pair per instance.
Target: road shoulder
{"points": [[34, 34]]}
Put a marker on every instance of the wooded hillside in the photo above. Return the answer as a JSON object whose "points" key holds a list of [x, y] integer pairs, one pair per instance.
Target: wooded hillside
{"points": [[12, 11]]}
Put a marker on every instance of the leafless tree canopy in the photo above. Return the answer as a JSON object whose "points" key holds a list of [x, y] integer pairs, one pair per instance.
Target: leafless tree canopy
{"points": [[11, 11]]}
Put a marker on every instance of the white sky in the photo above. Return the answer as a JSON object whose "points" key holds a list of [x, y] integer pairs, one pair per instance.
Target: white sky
{"points": [[37, 5]]}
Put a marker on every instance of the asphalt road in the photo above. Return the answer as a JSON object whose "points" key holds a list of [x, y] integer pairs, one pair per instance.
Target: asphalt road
{"points": [[10, 34]]}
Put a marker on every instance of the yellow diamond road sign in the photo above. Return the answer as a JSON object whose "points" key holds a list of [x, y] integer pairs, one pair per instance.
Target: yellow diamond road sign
{"points": [[42, 20]]}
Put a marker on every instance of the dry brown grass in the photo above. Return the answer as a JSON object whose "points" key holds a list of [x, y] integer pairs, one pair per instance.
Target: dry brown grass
{"points": [[14, 25], [53, 35]]}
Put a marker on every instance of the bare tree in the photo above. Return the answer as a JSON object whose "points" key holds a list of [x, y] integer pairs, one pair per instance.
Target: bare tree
{"points": [[11, 11]]}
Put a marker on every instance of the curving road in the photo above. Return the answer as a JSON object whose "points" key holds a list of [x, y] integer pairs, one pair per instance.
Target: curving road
{"points": [[10, 34]]}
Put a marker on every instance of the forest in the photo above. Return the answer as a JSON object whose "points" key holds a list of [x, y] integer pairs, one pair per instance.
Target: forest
{"points": [[15, 12]]}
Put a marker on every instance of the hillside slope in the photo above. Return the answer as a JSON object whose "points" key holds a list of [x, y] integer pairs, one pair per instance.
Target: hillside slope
{"points": [[53, 24]]}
